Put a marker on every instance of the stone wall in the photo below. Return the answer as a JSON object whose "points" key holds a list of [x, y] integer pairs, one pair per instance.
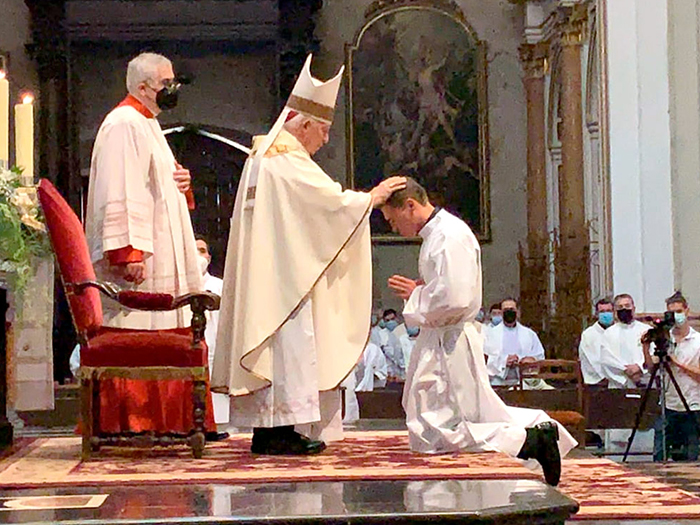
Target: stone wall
{"points": [[500, 25], [684, 80]]}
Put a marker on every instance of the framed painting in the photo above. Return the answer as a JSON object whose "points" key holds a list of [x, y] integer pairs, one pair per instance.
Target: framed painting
{"points": [[416, 105]]}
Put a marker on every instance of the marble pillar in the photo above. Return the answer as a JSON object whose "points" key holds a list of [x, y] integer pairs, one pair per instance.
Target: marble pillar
{"points": [[533, 261], [572, 269]]}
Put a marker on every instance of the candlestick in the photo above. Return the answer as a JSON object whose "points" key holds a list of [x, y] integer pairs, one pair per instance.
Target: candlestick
{"points": [[24, 139], [4, 120]]}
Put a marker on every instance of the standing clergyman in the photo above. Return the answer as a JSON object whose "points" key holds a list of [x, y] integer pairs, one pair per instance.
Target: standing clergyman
{"points": [[296, 301]]}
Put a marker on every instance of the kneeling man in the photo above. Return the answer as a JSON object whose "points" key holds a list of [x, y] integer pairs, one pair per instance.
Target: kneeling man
{"points": [[448, 400]]}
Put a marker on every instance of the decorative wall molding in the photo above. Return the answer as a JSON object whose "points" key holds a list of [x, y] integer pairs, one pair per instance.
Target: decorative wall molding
{"points": [[152, 20]]}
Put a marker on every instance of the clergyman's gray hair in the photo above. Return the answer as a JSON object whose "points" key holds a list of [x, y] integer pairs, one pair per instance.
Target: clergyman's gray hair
{"points": [[143, 68], [296, 122]]}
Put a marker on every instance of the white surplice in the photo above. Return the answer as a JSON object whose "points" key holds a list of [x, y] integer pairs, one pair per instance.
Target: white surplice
{"points": [[449, 403], [221, 405], [134, 201], [589, 354], [408, 343], [502, 341], [621, 346], [374, 369], [296, 302]]}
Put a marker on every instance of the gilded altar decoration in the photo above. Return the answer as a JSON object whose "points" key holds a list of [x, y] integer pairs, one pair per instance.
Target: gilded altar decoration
{"points": [[22, 231]]}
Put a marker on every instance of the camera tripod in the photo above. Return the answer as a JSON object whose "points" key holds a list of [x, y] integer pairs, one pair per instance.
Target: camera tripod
{"points": [[665, 369]]}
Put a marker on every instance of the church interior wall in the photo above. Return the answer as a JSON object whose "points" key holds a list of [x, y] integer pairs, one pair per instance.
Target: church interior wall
{"points": [[643, 258], [234, 91], [15, 31], [500, 25], [237, 90], [684, 79]]}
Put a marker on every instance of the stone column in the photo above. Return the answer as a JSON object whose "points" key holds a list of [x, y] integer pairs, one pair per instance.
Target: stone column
{"points": [[571, 259], [533, 263]]}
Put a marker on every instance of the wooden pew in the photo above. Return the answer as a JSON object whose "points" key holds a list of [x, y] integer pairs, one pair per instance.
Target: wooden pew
{"points": [[604, 408]]}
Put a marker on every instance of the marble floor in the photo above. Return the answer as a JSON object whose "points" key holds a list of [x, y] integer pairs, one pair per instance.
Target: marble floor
{"points": [[339, 502]]}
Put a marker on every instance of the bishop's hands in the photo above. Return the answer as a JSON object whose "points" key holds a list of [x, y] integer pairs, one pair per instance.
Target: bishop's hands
{"points": [[403, 286], [182, 177], [382, 191]]}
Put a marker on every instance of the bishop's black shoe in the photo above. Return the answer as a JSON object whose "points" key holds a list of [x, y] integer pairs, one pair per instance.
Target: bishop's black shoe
{"points": [[212, 436], [541, 444], [284, 441]]}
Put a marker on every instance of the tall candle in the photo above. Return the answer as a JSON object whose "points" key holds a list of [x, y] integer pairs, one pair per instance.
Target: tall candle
{"points": [[24, 138], [4, 121]]}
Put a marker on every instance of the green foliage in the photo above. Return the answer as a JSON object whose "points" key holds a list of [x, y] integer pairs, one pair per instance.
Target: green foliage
{"points": [[22, 232]]}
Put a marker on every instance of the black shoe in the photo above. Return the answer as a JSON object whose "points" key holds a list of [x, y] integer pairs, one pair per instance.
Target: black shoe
{"points": [[212, 437], [284, 443], [541, 444]]}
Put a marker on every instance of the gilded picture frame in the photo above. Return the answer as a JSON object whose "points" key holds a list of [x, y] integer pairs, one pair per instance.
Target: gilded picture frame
{"points": [[416, 104]]}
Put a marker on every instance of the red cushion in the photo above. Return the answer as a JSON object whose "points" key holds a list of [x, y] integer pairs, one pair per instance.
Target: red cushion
{"points": [[145, 300], [136, 348], [73, 256]]}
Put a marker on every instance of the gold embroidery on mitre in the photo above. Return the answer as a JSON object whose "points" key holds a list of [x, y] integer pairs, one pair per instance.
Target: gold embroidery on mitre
{"points": [[310, 108], [250, 194]]}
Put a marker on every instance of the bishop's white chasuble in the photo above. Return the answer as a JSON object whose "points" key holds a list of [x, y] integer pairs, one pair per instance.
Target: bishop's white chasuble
{"points": [[296, 302], [448, 400]]}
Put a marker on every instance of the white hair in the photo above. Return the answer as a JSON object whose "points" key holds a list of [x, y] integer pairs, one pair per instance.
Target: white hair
{"points": [[295, 123], [144, 68]]}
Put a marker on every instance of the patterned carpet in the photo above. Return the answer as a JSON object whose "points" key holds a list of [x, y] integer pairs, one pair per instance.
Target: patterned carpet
{"points": [[604, 489]]}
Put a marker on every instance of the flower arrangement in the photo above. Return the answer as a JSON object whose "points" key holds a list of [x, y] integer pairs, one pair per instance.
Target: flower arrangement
{"points": [[22, 231]]}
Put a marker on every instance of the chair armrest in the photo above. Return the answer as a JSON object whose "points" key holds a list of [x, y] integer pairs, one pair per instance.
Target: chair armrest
{"points": [[149, 301]]}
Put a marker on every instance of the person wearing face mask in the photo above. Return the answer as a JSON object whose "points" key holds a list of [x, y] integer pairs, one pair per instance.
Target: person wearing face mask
{"points": [[391, 345], [450, 405], [377, 325], [621, 355], [508, 344], [495, 315], [681, 427], [408, 342], [591, 340], [140, 236], [296, 303], [214, 285]]}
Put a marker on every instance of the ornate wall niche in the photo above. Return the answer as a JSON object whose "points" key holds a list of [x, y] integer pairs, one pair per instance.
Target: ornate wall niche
{"points": [[417, 105]]}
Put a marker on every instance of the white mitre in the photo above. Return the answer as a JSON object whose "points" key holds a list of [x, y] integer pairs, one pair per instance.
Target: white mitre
{"points": [[313, 97], [310, 97]]}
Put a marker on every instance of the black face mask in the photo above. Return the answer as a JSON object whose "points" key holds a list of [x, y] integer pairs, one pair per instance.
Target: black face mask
{"points": [[167, 97], [509, 316], [625, 315]]}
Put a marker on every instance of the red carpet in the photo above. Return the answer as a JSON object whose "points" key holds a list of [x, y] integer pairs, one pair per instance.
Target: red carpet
{"points": [[603, 488]]}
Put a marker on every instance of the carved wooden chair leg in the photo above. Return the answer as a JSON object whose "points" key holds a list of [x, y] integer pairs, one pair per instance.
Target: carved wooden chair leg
{"points": [[86, 415], [197, 439]]}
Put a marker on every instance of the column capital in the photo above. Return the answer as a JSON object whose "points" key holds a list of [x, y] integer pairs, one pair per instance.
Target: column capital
{"points": [[573, 24], [534, 59]]}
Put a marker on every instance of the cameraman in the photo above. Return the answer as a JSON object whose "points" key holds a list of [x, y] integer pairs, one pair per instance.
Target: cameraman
{"points": [[684, 354]]}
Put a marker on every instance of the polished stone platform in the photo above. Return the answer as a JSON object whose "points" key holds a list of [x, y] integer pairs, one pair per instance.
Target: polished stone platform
{"points": [[357, 502]]}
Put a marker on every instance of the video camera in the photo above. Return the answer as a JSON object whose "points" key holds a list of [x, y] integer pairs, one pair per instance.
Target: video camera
{"points": [[660, 334]]}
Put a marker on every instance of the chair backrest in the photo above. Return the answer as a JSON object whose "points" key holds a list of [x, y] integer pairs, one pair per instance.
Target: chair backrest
{"points": [[73, 257], [562, 372]]}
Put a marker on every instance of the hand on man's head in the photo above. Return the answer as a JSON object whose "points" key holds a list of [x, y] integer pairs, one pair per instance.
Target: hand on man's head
{"points": [[382, 191]]}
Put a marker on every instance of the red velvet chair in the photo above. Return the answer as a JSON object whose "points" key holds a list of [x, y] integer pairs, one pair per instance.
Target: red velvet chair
{"points": [[108, 353]]}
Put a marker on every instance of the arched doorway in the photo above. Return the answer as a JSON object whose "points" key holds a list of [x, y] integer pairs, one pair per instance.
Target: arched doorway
{"points": [[215, 158]]}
